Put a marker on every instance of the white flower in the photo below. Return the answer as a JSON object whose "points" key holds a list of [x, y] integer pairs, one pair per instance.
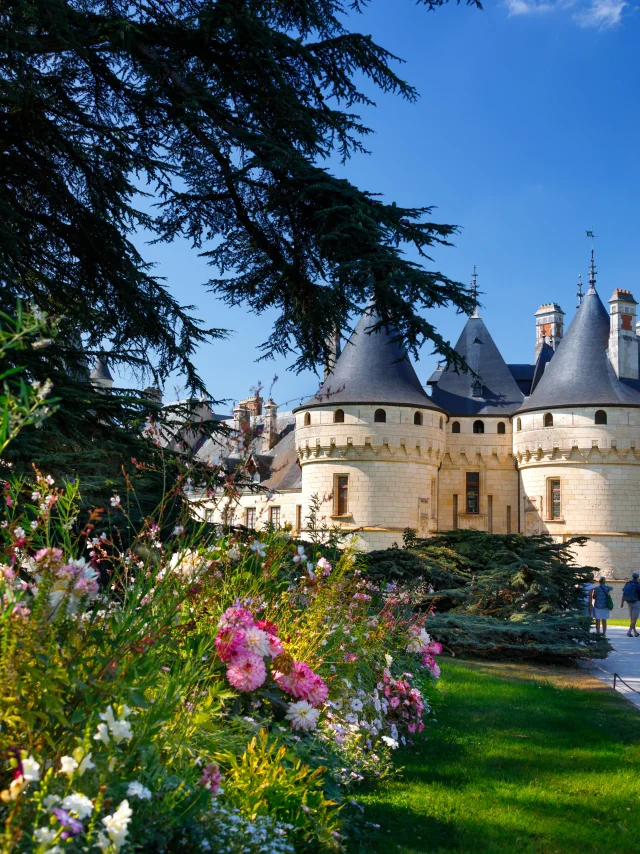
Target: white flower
{"points": [[258, 548], [30, 770], [310, 571], [18, 533], [255, 640], [115, 500], [103, 842], [388, 660], [391, 742], [68, 765], [300, 555], [35, 496], [302, 716], [49, 480], [102, 734], [117, 824], [119, 728], [34, 525], [44, 835], [79, 804], [179, 529], [233, 554], [137, 790], [186, 563], [50, 801], [86, 764]]}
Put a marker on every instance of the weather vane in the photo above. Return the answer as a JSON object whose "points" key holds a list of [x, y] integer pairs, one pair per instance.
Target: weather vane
{"points": [[592, 266], [474, 288]]}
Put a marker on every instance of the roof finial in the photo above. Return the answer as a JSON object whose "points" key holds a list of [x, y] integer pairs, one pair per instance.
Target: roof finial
{"points": [[474, 289], [579, 293], [592, 266]]}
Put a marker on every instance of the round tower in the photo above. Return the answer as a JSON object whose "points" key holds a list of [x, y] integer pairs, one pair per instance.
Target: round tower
{"points": [[577, 438], [370, 441]]}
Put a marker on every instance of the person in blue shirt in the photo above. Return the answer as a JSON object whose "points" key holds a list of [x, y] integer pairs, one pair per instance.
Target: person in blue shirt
{"points": [[631, 595], [601, 612]]}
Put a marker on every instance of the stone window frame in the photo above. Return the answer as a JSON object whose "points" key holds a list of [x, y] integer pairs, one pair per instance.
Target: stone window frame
{"points": [[275, 510], [307, 419], [548, 507], [454, 425], [380, 416], [418, 419], [336, 496], [338, 416], [466, 511], [250, 518]]}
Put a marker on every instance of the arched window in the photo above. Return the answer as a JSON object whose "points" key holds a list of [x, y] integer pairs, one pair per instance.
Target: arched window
{"points": [[548, 419], [307, 419], [601, 417], [417, 418], [501, 427], [518, 424], [478, 426], [455, 427], [338, 416], [442, 423], [380, 415]]}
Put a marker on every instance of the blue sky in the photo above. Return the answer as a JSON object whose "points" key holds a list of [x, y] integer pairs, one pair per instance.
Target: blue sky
{"points": [[526, 134]]}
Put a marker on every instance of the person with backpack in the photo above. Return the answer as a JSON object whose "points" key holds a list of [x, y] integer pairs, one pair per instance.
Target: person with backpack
{"points": [[631, 595], [601, 604]]}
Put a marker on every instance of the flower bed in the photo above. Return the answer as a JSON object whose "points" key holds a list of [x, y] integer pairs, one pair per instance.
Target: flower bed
{"points": [[206, 693]]}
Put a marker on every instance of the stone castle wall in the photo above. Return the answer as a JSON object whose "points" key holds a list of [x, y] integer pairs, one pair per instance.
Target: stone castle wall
{"points": [[392, 468]]}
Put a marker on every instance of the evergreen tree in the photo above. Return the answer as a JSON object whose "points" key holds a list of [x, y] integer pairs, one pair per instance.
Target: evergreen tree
{"points": [[224, 113]]}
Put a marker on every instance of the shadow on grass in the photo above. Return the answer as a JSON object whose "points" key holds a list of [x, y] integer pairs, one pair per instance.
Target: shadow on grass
{"points": [[513, 765]]}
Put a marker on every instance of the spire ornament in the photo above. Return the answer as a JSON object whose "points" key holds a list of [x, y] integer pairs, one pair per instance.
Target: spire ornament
{"points": [[474, 290], [592, 265], [579, 291]]}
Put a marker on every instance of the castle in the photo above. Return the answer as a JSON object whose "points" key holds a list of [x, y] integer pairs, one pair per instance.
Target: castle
{"points": [[550, 447]]}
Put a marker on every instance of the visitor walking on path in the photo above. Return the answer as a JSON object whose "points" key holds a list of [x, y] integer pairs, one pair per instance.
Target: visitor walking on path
{"points": [[631, 595], [601, 604]]}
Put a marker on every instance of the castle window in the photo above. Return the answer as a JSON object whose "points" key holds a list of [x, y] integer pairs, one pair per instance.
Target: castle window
{"points": [[442, 423], [455, 427], [501, 427], [478, 426], [548, 419], [555, 503], [341, 494], [473, 492], [417, 418], [601, 417], [338, 416], [307, 419], [518, 424], [250, 517], [380, 416], [476, 388], [274, 517]]}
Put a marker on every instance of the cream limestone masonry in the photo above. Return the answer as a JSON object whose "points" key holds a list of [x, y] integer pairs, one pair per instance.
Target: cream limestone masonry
{"points": [[392, 468]]}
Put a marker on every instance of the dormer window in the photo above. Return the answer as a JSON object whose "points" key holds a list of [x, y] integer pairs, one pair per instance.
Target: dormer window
{"points": [[476, 388]]}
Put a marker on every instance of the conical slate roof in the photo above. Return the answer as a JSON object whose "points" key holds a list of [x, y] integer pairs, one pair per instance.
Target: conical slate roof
{"points": [[497, 393], [101, 371], [580, 373], [372, 369], [544, 357]]}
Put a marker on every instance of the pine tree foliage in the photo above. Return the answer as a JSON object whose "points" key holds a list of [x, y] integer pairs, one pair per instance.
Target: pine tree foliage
{"points": [[497, 594]]}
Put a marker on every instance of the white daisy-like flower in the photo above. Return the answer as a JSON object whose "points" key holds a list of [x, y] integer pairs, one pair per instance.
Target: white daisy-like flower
{"points": [[78, 804], [115, 500], [30, 770], [68, 765], [137, 790], [390, 742], [18, 533], [300, 555], [44, 835], [257, 641], [302, 716]]}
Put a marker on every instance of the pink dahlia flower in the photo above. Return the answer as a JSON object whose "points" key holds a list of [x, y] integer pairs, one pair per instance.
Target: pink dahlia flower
{"points": [[434, 648], [298, 682], [229, 642], [236, 617], [317, 692], [246, 672]]}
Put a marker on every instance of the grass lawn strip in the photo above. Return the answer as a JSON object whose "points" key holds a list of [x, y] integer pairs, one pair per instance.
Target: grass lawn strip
{"points": [[521, 759]]}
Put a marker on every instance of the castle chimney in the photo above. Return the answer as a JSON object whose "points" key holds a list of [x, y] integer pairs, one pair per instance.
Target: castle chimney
{"points": [[549, 326], [270, 431], [623, 341], [333, 344], [241, 417]]}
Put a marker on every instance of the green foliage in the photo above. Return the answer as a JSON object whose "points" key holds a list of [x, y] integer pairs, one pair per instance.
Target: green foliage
{"points": [[497, 594]]}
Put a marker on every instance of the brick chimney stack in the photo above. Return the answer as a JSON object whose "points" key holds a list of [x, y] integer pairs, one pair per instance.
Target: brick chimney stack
{"points": [[270, 431], [549, 326], [623, 341]]}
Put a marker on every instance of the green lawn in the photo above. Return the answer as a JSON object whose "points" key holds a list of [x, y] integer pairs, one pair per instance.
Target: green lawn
{"points": [[520, 760]]}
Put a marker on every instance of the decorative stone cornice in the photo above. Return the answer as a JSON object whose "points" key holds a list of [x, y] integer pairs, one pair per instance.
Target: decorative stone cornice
{"points": [[594, 454], [428, 453]]}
